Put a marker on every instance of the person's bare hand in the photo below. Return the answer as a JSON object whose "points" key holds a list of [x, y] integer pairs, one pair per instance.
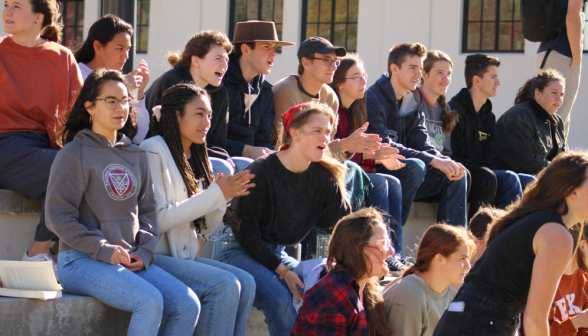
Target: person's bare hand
{"points": [[386, 151], [576, 61], [235, 185], [134, 264], [453, 170], [120, 256], [580, 320], [255, 152], [392, 162], [293, 280], [138, 79], [359, 142]]}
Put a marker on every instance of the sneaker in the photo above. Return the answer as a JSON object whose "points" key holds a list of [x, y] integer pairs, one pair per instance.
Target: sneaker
{"points": [[42, 257], [397, 265]]}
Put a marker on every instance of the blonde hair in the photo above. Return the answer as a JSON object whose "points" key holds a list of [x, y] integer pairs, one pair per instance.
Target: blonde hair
{"points": [[337, 169]]}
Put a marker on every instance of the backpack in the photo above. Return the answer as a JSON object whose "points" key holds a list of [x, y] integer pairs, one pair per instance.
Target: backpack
{"points": [[542, 20]]}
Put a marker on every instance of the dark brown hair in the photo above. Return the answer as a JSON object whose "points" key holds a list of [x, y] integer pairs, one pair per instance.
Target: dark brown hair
{"points": [[440, 239], [103, 31], [78, 117], [400, 52], [482, 220], [358, 109], [540, 82], [199, 45], [301, 67], [51, 24], [346, 254], [337, 169], [237, 48], [580, 232], [477, 65], [561, 177], [448, 117]]}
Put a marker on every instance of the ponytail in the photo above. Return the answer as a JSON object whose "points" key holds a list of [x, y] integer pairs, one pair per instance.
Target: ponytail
{"points": [[449, 118], [51, 24], [174, 57], [439, 239]]}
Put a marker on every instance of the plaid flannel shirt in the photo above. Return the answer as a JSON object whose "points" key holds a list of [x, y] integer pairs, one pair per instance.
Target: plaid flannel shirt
{"points": [[332, 307]]}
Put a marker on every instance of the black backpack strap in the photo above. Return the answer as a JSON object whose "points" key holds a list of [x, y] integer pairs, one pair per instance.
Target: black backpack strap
{"points": [[545, 58]]}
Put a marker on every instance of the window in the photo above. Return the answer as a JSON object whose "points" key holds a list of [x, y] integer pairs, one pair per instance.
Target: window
{"points": [[262, 10], [335, 20], [492, 26], [73, 21], [142, 31]]}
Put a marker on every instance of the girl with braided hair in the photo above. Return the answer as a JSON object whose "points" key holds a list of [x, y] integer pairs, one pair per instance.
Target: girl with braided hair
{"points": [[296, 189], [102, 208], [531, 133], [191, 202], [440, 121]]}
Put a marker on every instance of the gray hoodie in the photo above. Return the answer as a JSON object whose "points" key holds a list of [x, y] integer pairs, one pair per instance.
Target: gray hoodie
{"points": [[100, 195]]}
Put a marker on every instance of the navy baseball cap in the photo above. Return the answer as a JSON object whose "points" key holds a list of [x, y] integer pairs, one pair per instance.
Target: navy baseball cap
{"points": [[320, 45]]}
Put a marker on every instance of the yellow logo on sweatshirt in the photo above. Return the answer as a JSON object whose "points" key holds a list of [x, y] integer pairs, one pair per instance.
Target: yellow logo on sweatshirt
{"points": [[483, 136]]}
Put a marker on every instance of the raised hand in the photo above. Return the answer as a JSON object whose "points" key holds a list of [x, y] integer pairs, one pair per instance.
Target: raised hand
{"points": [[360, 142], [235, 185]]}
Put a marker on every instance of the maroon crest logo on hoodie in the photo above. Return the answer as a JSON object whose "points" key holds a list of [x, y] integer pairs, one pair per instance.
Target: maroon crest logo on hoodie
{"points": [[120, 182]]}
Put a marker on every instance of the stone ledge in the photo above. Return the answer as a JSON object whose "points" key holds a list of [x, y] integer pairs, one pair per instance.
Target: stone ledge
{"points": [[14, 202]]}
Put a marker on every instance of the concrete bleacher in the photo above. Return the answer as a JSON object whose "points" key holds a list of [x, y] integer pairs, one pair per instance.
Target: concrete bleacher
{"points": [[82, 315]]}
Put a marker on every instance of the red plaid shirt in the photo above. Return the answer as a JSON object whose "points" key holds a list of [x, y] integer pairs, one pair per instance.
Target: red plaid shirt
{"points": [[332, 307]]}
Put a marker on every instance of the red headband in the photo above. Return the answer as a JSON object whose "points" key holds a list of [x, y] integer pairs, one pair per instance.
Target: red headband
{"points": [[287, 118]]}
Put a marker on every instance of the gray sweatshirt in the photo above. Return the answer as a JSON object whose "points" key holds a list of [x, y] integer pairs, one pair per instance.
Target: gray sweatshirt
{"points": [[439, 139], [100, 195], [413, 309]]}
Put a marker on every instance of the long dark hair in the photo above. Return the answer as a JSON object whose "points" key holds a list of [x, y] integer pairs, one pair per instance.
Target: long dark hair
{"points": [[102, 31], [541, 81], [358, 109], [346, 254], [564, 174], [78, 117], [52, 25], [580, 232], [175, 99], [448, 117]]}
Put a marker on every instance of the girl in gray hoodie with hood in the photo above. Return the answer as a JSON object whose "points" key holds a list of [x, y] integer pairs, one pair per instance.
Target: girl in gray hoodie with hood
{"points": [[102, 207]]}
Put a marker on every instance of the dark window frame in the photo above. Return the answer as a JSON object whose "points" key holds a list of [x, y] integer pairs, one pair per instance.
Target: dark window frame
{"points": [[465, 21], [62, 7], [138, 26], [303, 26], [233, 20]]}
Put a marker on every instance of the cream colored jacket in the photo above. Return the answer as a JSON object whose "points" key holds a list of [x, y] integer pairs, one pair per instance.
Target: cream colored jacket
{"points": [[175, 211]]}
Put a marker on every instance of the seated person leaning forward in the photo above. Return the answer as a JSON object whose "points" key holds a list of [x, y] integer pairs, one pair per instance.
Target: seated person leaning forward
{"points": [[268, 218]]}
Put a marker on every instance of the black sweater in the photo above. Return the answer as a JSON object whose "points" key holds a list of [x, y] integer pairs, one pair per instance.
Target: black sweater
{"points": [[216, 139], [283, 207]]}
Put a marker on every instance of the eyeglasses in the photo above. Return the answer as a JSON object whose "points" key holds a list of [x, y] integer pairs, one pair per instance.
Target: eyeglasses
{"points": [[112, 102], [328, 61], [358, 78], [386, 240]]}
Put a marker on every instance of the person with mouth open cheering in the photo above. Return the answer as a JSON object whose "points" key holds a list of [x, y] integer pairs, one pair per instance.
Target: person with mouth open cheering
{"points": [[295, 190]]}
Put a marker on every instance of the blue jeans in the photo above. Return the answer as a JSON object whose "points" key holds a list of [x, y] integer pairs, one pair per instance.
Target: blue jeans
{"points": [[419, 181], [387, 196], [272, 296], [481, 316], [147, 294], [223, 166], [508, 187], [525, 180], [225, 292]]}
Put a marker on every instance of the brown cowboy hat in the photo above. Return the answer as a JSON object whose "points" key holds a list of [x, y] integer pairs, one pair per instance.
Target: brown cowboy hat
{"points": [[257, 31]]}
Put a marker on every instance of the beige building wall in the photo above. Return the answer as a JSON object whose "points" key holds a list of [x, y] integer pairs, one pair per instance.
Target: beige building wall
{"points": [[382, 23]]}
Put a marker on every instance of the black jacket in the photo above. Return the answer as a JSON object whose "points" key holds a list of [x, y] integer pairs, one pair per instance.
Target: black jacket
{"points": [[217, 134], [254, 127], [471, 138], [408, 132], [523, 138]]}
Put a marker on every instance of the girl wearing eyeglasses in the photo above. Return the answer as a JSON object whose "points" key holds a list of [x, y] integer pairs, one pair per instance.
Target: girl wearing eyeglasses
{"points": [[415, 304], [347, 300], [349, 83], [103, 209]]}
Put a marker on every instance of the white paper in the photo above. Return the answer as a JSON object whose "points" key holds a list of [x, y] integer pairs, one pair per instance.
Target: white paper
{"points": [[30, 275]]}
